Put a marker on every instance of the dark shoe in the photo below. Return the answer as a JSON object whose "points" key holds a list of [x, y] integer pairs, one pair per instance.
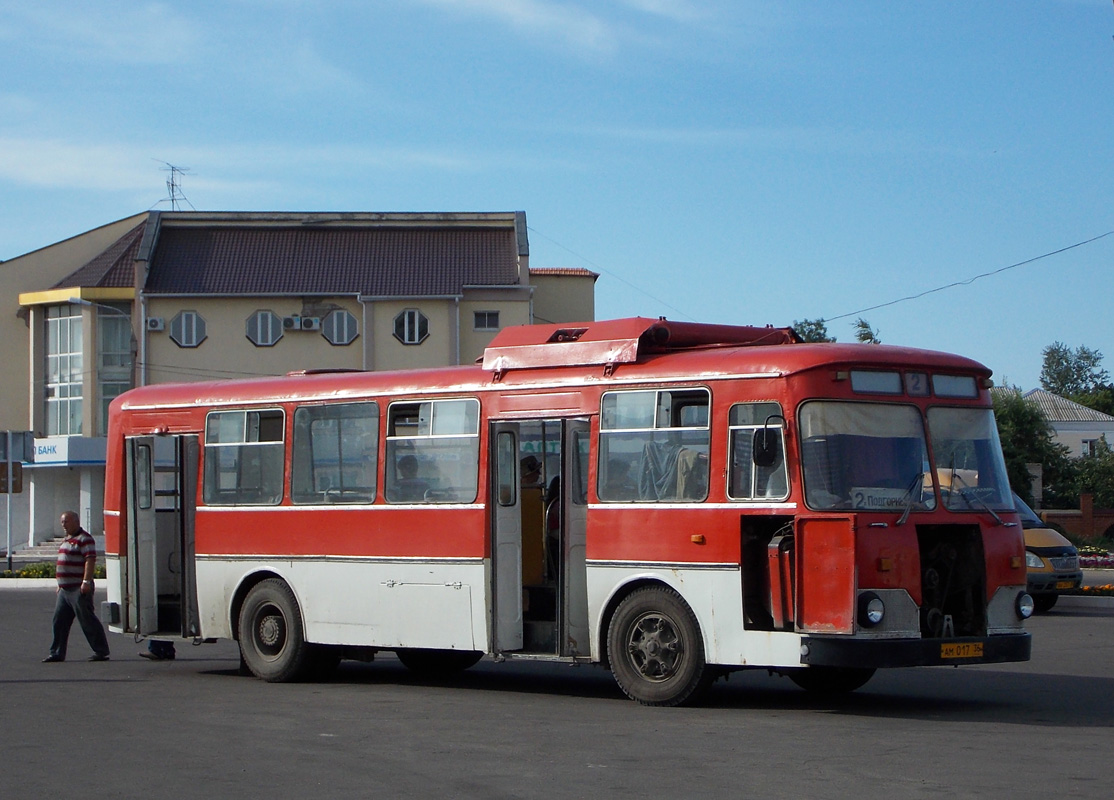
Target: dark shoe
{"points": [[98, 657], [155, 656], [53, 658]]}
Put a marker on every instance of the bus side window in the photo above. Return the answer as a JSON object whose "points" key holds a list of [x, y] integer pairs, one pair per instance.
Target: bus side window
{"points": [[433, 451], [654, 445], [335, 453], [747, 480], [244, 458]]}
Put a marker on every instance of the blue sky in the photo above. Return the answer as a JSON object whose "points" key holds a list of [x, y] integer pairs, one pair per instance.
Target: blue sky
{"points": [[730, 161]]}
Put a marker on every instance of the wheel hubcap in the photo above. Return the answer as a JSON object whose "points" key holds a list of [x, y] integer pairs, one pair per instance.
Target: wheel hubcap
{"points": [[270, 631], [655, 648]]}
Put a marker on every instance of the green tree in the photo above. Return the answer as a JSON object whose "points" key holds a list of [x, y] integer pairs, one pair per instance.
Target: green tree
{"points": [[1068, 372], [1095, 474], [1027, 439], [864, 333], [1101, 398], [812, 330]]}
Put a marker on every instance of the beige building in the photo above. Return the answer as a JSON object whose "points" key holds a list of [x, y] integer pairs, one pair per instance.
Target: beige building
{"points": [[185, 295]]}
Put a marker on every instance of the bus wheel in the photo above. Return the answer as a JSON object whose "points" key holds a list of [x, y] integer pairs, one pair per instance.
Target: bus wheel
{"points": [[271, 639], [1042, 603], [830, 680], [655, 649], [437, 663]]}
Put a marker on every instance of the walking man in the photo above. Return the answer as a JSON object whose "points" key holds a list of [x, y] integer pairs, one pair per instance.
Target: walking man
{"points": [[77, 558]]}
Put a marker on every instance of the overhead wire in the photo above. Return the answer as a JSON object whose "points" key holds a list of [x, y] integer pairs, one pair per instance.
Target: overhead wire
{"points": [[969, 281]]}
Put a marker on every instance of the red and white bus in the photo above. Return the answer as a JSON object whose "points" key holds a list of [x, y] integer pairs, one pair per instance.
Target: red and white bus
{"points": [[674, 501]]}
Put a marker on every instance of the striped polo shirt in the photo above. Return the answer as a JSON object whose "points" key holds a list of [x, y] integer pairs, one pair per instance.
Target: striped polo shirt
{"points": [[72, 554]]}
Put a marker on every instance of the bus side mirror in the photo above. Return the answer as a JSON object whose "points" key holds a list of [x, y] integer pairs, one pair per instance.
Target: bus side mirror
{"points": [[765, 450]]}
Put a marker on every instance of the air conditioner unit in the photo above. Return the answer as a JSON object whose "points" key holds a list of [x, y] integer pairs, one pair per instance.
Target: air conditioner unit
{"points": [[156, 324], [291, 323], [311, 323]]}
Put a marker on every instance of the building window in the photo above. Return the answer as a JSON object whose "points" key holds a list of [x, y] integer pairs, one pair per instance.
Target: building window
{"points": [[114, 357], [339, 327], [411, 326], [64, 369], [486, 321], [187, 329], [264, 328]]}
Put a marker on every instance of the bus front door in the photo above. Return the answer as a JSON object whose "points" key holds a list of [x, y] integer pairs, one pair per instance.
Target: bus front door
{"points": [[161, 576]]}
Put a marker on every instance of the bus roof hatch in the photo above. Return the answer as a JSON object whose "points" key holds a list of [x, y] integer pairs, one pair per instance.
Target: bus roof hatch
{"points": [[616, 341]]}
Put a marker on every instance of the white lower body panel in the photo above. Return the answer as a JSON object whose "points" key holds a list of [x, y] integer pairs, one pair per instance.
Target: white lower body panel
{"points": [[362, 602]]}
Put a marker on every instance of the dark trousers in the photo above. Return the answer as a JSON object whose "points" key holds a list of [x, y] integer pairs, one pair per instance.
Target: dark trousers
{"points": [[72, 603]]}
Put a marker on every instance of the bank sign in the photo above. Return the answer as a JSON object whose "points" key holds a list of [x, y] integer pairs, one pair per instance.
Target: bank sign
{"points": [[69, 450]]}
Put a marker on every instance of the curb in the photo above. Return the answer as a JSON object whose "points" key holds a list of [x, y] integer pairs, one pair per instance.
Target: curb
{"points": [[1080, 601], [28, 583]]}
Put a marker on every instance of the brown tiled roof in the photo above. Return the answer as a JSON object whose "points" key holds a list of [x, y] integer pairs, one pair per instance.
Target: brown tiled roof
{"points": [[379, 261], [114, 268], [571, 272]]}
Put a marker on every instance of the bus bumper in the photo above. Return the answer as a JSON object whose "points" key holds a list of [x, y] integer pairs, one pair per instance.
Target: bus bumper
{"points": [[831, 651]]}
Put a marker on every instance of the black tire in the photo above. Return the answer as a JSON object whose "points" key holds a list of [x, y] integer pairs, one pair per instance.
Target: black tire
{"points": [[830, 680], [656, 650], [437, 663], [324, 661], [272, 643], [1042, 603]]}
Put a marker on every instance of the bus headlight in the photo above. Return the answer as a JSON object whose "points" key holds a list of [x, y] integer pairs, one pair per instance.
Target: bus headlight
{"points": [[871, 609], [1032, 560], [1024, 605]]}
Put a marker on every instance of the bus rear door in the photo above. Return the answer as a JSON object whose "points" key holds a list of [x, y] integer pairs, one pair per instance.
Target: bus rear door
{"points": [[161, 562]]}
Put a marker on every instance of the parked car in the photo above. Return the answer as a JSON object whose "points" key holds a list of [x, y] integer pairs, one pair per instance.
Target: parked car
{"points": [[1052, 561]]}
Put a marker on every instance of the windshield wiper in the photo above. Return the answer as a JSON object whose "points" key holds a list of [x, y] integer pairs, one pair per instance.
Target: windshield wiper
{"points": [[917, 482], [967, 493]]}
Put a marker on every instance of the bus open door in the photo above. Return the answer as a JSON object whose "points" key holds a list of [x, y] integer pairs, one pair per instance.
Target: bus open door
{"points": [[161, 578]]}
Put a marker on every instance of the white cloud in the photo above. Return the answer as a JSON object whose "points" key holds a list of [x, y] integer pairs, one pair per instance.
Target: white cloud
{"points": [[151, 33], [56, 163], [675, 10], [565, 21]]}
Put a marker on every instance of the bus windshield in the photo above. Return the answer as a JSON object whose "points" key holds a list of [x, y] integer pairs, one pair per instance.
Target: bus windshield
{"points": [[864, 456], [968, 459]]}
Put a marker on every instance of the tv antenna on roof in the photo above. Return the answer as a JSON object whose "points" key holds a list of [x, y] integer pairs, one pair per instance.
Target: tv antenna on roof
{"points": [[174, 185]]}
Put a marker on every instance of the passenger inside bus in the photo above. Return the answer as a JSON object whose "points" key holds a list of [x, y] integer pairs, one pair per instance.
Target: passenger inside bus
{"points": [[669, 471], [618, 485], [409, 487]]}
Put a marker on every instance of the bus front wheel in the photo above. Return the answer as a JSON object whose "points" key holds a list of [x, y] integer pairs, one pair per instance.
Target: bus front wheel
{"points": [[271, 640], [830, 680], [656, 650]]}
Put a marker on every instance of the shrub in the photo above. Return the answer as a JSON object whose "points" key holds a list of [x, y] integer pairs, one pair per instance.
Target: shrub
{"points": [[44, 569]]}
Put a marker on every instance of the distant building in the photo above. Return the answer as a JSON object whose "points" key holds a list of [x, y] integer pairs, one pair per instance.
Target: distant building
{"points": [[180, 296], [1075, 426]]}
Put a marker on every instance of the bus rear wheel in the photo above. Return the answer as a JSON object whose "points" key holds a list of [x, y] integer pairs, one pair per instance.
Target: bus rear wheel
{"points": [[271, 640], [830, 680], [656, 650]]}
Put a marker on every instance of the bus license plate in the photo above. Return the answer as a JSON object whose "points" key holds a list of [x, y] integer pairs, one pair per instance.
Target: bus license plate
{"points": [[1065, 584], [961, 650]]}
